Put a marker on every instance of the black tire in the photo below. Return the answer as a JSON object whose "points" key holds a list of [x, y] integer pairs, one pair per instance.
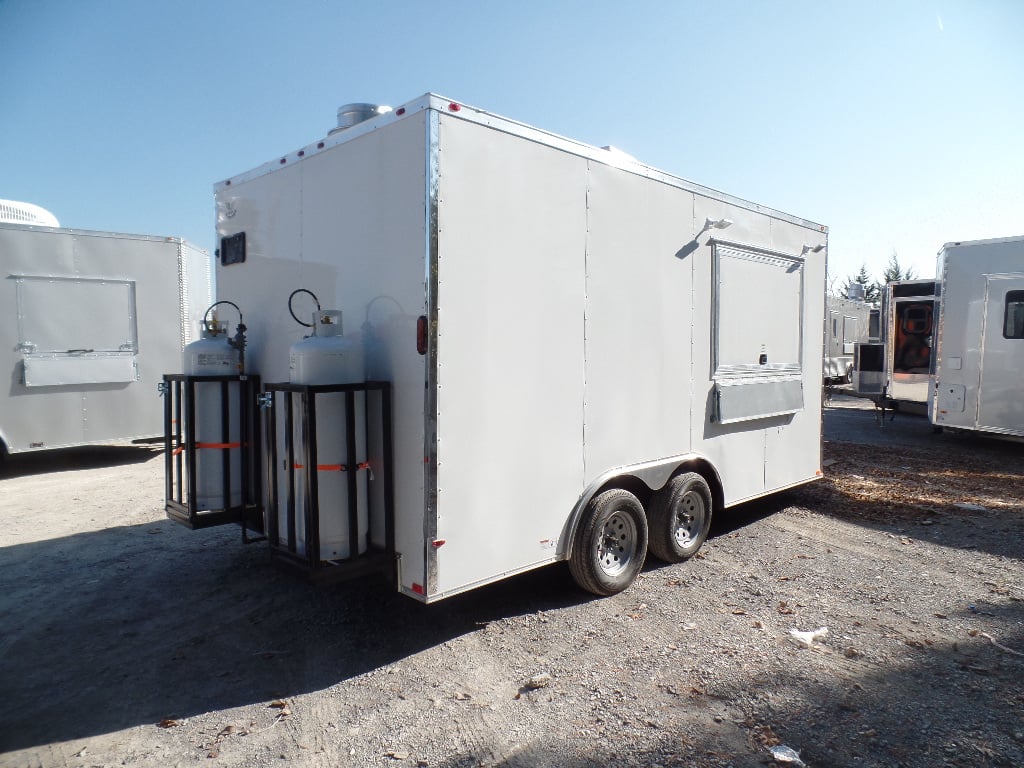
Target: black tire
{"points": [[610, 543], [680, 518], [848, 378]]}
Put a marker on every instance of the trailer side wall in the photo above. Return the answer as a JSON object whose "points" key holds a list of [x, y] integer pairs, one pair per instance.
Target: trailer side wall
{"points": [[979, 364], [92, 320]]}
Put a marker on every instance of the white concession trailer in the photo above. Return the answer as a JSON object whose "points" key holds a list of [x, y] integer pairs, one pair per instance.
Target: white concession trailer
{"points": [[847, 323], [980, 338], [566, 354], [91, 320]]}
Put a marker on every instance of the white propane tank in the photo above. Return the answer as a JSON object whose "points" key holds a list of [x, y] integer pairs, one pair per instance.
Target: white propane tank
{"points": [[329, 357], [213, 355]]}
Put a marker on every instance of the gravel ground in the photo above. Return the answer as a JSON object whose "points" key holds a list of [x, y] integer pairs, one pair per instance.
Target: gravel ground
{"points": [[126, 639]]}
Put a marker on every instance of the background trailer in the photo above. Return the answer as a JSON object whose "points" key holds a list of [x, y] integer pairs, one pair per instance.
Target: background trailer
{"points": [[898, 369], [980, 337], [571, 339], [91, 320], [847, 323]]}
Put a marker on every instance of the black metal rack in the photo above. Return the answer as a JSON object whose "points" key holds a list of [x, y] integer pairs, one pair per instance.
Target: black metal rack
{"points": [[181, 446], [377, 426]]}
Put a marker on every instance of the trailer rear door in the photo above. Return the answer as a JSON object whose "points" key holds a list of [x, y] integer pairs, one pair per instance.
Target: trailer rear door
{"points": [[1000, 401]]}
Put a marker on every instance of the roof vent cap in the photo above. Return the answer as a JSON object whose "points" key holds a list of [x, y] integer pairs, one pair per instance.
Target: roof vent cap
{"points": [[353, 114]]}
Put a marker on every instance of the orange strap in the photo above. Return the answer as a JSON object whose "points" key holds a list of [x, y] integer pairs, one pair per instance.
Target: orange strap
{"points": [[333, 467], [181, 448]]}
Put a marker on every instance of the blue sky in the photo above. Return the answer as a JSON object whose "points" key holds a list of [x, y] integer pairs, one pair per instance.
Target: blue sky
{"points": [[898, 124]]}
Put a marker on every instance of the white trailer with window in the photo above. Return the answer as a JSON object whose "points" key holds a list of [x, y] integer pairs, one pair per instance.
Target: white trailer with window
{"points": [[846, 325], [980, 337], [585, 355], [91, 320]]}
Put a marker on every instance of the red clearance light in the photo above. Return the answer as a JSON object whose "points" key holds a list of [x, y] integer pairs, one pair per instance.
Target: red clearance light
{"points": [[283, 161], [400, 111], [438, 543], [320, 145], [302, 153], [421, 334], [227, 183], [418, 589], [453, 107]]}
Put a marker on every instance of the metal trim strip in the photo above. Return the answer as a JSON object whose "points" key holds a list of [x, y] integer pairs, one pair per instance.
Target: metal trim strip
{"points": [[433, 175]]}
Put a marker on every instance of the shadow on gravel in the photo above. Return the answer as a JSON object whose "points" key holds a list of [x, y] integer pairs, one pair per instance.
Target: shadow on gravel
{"points": [[941, 703], [134, 625], [862, 426], [955, 490], [70, 459], [963, 696]]}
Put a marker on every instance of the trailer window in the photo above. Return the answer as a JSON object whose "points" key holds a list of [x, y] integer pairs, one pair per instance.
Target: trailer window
{"points": [[75, 315], [758, 304], [757, 333], [1013, 318], [76, 330], [849, 329]]}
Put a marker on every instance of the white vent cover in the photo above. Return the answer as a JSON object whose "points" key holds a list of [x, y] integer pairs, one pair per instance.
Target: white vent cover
{"points": [[12, 212]]}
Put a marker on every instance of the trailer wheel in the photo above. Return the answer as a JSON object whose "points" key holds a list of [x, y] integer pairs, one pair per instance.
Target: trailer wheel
{"points": [[610, 543], [680, 518]]}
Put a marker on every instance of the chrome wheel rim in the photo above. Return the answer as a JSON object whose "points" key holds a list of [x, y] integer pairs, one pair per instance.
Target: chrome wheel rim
{"points": [[616, 546]]}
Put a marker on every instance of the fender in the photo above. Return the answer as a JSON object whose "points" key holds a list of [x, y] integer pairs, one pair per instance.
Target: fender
{"points": [[653, 474]]}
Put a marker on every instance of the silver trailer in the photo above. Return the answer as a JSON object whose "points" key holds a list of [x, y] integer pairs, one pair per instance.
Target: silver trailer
{"points": [[584, 355], [91, 320], [980, 337], [898, 369], [847, 322]]}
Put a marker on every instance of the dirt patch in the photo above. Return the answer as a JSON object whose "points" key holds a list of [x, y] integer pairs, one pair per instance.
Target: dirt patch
{"points": [[129, 640]]}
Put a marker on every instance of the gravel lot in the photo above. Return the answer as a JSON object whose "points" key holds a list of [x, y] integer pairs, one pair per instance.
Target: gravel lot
{"points": [[129, 640]]}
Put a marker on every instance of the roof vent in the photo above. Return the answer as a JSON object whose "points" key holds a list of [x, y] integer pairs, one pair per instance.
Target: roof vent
{"points": [[855, 291], [12, 212], [353, 114]]}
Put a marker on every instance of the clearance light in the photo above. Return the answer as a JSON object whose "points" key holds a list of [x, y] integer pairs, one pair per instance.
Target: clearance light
{"points": [[418, 589], [400, 111], [421, 334], [453, 107]]}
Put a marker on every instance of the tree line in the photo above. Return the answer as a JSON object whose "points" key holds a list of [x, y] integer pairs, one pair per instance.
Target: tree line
{"points": [[873, 288]]}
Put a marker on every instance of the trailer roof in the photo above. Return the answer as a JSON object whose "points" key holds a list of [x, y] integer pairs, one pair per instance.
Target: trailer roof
{"points": [[92, 233], [459, 110], [990, 241]]}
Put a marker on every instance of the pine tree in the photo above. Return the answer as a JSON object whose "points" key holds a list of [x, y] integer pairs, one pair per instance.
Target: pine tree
{"points": [[895, 272], [871, 288]]}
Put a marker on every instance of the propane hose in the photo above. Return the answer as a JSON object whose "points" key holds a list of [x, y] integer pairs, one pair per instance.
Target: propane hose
{"points": [[292, 311]]}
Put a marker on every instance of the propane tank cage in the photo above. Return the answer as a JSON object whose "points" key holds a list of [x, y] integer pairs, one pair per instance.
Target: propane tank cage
{"points": [[180, 467], [286, 549]]}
